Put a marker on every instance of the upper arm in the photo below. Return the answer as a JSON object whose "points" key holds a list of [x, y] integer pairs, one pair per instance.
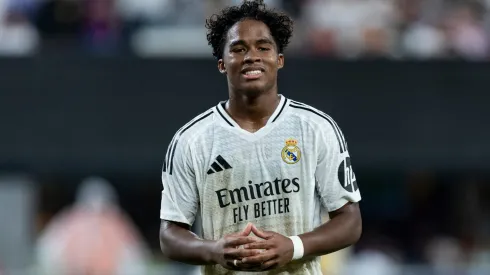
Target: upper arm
{"points": [[350, 209], [167, 227], [335, 178], [180, 198], [351, 215], [164, 225], [170, 234]]}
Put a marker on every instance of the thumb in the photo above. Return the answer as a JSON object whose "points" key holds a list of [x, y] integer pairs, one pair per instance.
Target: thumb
{"points": [[261, 234]]}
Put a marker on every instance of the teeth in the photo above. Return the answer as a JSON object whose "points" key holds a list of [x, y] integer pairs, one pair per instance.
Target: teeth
{"points": [[253, 72]]}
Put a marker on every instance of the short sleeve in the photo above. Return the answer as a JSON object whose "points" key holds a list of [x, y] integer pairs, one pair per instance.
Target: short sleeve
{"points": [[180, 198], [335, 178]]}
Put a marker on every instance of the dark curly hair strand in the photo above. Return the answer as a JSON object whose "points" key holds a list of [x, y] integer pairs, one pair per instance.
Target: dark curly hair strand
{"points": [[280, 24]]}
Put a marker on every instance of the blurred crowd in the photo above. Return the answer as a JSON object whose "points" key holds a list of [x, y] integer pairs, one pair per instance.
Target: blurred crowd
{"points": [[394, 29], [433, 226], [93, 235]]}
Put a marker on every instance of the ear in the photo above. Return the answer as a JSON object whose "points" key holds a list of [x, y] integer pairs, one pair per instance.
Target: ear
{"points": [[221, 66], [280, 61]]}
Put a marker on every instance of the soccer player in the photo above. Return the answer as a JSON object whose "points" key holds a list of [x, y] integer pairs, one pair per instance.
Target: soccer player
{"points": [[259, 167]]}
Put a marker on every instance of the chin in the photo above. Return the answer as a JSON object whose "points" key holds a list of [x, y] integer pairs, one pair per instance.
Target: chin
{"points": [[253, 89]]}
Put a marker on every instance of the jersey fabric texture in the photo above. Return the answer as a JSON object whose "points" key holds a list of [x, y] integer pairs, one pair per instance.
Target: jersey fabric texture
{"points": [[280, 178]]}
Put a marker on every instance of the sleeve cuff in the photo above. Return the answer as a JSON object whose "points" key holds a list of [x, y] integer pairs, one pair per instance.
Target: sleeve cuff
{"points": [[175, 218], [340, 203]]}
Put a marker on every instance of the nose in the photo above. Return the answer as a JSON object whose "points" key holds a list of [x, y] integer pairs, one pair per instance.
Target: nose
{"points": [[252, 56]]}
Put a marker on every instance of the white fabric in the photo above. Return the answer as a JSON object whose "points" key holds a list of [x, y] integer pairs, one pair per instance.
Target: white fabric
{"points": [[299, 249], [259, 186]]}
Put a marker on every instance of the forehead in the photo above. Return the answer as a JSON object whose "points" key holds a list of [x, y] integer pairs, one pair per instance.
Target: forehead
{"points": [[248, 31]]}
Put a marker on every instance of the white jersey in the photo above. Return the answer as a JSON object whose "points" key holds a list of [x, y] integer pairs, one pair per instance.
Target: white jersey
{"points": [[279, 178]]}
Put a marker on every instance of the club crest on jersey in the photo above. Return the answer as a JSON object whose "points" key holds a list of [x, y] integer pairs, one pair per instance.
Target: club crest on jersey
{"points": [[291, 153]]}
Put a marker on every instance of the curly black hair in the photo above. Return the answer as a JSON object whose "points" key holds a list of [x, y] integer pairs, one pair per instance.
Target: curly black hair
{"points": [[280, 24]]}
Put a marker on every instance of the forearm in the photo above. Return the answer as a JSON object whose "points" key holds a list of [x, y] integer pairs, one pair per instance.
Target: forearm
{"points": [[342, 230], [182, 245]]}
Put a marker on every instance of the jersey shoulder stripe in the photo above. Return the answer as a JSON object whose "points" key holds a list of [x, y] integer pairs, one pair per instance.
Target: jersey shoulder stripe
{"points": [[223, 116], [282, 109], [335, 127], [168, 161]]}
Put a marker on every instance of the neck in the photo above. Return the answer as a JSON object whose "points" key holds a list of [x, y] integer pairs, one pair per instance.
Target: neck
{"points": [[256, 108]]}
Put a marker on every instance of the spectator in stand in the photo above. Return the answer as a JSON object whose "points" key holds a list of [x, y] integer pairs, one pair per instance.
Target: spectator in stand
{"points": [[465, 33], [93, 236], [17, 35]]}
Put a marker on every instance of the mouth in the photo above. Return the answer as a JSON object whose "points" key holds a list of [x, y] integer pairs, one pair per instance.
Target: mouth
{"points": [[253, 73]]}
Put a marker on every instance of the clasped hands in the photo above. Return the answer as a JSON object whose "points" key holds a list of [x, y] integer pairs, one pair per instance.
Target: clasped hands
{"points": [[243, 252]]}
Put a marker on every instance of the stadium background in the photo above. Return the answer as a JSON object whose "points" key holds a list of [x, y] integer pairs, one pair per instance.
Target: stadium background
{"points": [[98, 88]]}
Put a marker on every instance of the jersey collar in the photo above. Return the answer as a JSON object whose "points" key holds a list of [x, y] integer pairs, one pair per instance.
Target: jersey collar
{"points": [[225, 118]]}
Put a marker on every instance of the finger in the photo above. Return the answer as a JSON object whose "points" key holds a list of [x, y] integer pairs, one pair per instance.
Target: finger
{"points": [[268, 265], [260, 233], [259, 259], [241, 253], [239, 266], [247, 266], [246, 231], [259, 245], [257, 239], [237, 241], [231, 265]]}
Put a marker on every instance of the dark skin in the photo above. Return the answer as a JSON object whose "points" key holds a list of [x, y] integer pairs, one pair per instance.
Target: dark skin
{"points": [[250, 46], [342, 230], [180, 244]]}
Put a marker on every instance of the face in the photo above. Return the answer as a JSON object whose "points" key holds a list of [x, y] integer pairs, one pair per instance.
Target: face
{"points": [[250, 58]]}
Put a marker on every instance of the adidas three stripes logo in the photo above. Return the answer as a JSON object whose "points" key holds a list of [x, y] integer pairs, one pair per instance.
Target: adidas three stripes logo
{"points": [[219, 165]]}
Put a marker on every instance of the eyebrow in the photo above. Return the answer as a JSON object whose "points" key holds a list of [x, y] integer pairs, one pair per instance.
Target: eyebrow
{"points": [[242, 42]]}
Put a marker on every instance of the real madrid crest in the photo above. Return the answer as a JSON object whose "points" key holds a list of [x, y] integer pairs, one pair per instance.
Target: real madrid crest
{"points": [[291, 153]]}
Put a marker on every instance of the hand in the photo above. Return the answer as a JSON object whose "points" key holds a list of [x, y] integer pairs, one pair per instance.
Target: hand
{"points": [[228, 251], [278, 252]]}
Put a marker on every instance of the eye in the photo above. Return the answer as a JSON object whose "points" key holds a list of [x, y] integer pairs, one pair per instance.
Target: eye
{"points": [[264, 49], [238, 50]]}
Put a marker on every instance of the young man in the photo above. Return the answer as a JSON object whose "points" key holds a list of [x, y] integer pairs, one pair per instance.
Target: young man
{"points": [[259, 167]]}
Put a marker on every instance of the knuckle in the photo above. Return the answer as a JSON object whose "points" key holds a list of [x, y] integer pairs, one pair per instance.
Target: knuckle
{"points": [[226, 239], [227, 252]]}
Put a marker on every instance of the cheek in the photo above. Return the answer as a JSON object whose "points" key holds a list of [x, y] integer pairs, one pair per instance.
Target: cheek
{"points": [[274, 64], [233, 63], [272, 59]]}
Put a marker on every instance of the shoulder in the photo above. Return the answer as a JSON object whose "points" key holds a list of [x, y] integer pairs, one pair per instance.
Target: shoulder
{"points": [[312, 115], [193, 128], [323, 123], [178, 149]]}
